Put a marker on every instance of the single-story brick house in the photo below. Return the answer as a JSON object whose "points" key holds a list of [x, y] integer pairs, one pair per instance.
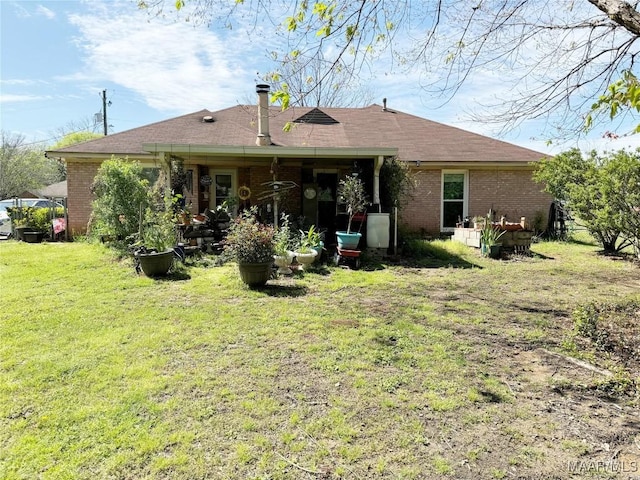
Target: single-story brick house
{"points": [[241, 148]]}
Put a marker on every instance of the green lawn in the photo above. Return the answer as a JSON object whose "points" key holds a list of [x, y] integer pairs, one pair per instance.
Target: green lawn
{"points": [[397, 372]]}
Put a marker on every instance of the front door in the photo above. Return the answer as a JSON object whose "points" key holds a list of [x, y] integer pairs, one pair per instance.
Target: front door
{"points": [[327, 201], [223, 187]]}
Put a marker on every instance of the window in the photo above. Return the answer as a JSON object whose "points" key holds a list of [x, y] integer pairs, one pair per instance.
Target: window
{"points": [[454, 198]]}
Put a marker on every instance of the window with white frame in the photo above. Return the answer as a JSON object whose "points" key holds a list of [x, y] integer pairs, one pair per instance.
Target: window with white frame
{"points": [[454, 197]]}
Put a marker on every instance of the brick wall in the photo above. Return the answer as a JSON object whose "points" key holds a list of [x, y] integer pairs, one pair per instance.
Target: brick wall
{"points": [[80, 176], [422, 211], [512, 193]]}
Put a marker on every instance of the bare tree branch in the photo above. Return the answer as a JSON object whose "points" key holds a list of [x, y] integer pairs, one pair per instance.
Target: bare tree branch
{"points": [[559, 54]]}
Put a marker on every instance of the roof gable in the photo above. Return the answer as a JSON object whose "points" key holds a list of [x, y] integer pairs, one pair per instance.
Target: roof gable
{"points": [[317, 117]]}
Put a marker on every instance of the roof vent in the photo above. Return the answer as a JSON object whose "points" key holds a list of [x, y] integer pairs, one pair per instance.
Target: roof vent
{"points": [[207, 119], [317, 117]]}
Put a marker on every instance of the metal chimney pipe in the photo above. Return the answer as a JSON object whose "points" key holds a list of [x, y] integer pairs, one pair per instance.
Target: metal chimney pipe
{"points": [[263, 115]]}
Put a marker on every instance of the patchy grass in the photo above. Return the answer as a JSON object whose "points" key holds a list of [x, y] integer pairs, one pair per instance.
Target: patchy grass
{"points": [[400, 372]]}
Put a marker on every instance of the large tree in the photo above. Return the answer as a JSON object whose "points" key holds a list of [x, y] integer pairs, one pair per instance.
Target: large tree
{"points": [[24, 167], [601, 190], [559, 53]]}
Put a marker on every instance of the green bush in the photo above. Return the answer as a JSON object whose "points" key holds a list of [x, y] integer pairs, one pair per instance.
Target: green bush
{"points": [[121, 195], [33, 217], [41, 218], [602, 190], [396, 184]]}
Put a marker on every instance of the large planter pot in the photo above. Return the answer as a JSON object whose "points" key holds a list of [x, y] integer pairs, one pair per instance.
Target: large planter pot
{"points": [[33, 236], [283, 262], [348, 241], [156, 264], [19, 232], [305, 259], [318, 249], [494, 250], [491, 251], [255, 274]]}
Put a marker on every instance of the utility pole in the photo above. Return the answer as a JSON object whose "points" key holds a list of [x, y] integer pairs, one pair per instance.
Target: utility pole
{"points": [[104, 111]]}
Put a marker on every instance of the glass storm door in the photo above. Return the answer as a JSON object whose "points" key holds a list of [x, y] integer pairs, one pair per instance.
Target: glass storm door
{"points": [[223, 187], [454, 198]]}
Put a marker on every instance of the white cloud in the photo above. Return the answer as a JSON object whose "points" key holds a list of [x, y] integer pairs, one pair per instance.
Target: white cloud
{"points": [[23, 82], [20, 11], [174, 66], [45, 12], [9, 98]]}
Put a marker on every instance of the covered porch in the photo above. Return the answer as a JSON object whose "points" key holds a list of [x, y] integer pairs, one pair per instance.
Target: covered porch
{"points": [[300, 181]]}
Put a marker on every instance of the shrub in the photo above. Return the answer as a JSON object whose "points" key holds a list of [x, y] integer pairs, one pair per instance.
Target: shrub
{"points": [[35, 217], [121, 194], [249, 240], [396, 184]]}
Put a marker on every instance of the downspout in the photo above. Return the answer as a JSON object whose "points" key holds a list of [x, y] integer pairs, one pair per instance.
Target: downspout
{"points": [[379, 161]]}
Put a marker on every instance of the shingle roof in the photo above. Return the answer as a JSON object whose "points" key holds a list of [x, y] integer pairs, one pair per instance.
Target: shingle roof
{"points": [[415, 138]]}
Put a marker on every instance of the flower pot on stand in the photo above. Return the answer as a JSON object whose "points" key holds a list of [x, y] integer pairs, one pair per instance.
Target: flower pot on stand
{"points": [[283, 262], [255, 274], [306, 258], [348, 241]]}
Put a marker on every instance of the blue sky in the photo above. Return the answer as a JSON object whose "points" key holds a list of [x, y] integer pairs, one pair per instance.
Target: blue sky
{"points": [[58, 56]]}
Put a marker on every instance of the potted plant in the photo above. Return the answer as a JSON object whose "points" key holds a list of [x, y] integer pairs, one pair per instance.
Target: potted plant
{"points": [[157, 236], [19, 225], [222, 213], [478, 222], [29, 223], [351, 194], [489, 236], [251, 244], [310, 246], [283, 246]]}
